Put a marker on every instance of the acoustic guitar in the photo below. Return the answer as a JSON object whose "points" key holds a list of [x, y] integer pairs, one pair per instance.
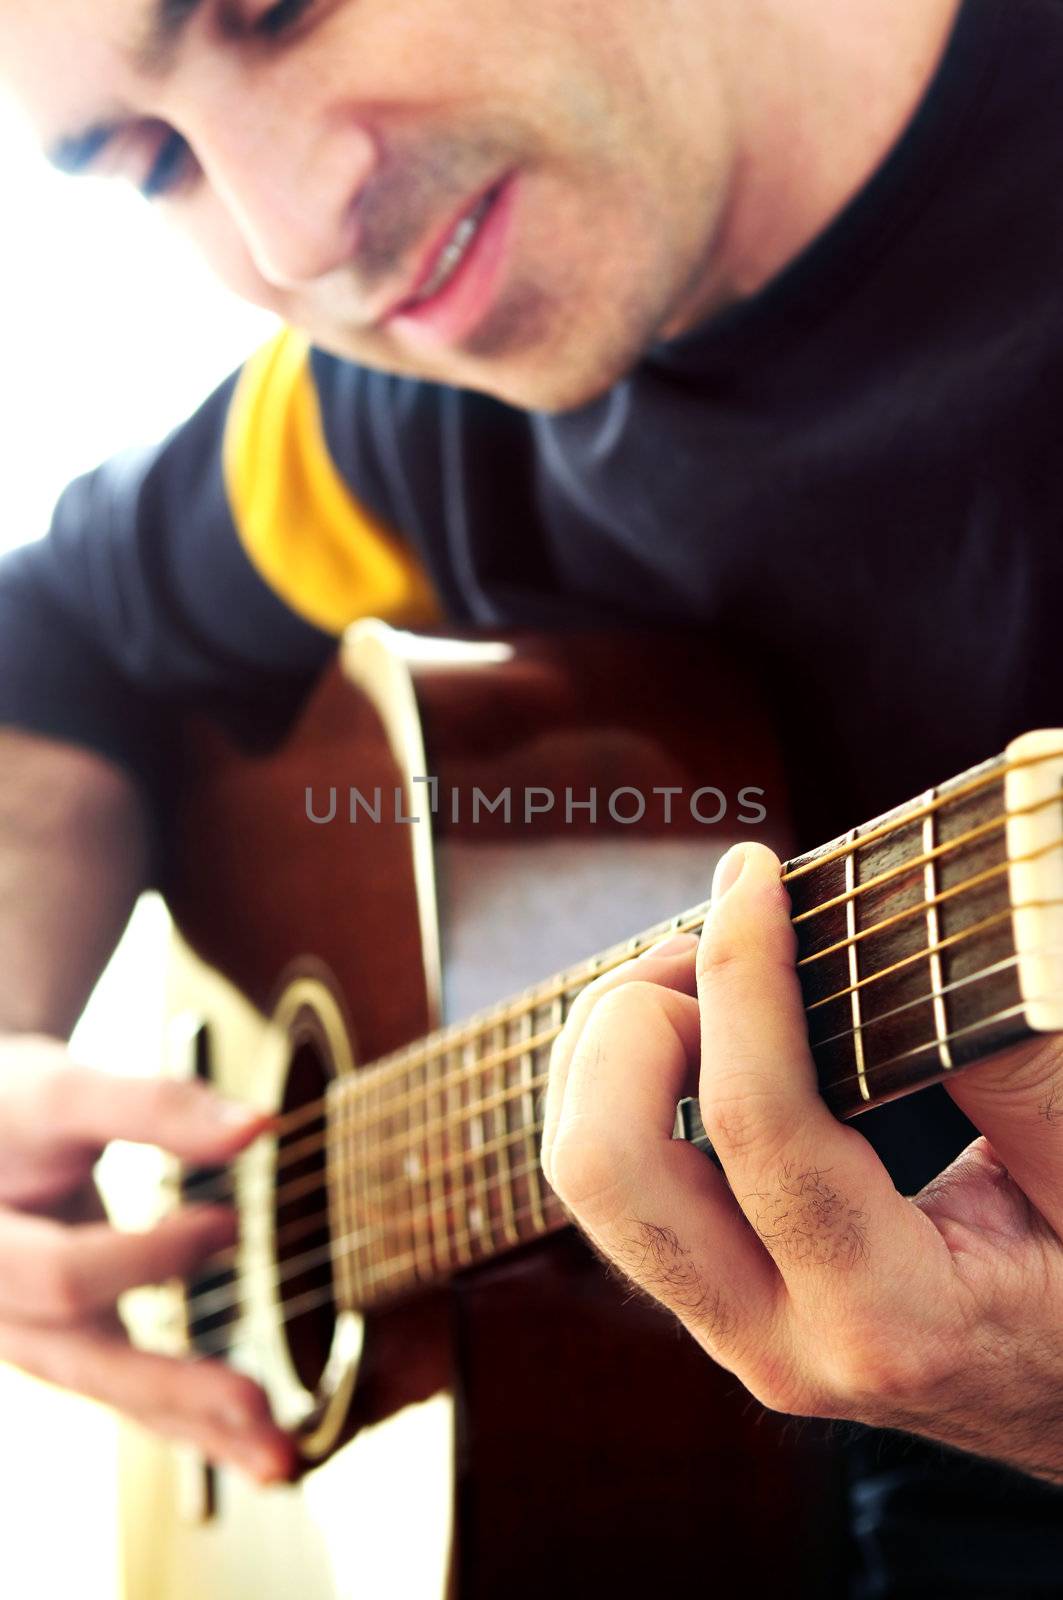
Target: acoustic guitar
{"points": [[482, 1410]]}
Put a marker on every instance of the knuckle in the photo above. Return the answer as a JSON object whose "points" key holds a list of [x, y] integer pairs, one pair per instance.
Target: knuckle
{"points": [[627, 1005], [780, 1386], [740, 1116], [588, 1173], [718, 957], [241, 1401], [875, 1376]]}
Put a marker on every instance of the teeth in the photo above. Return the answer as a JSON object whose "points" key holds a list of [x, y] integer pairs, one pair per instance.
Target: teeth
{"points": [[456, 250]]}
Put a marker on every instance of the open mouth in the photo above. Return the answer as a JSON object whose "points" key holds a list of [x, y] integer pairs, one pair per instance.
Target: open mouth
{"points": [[461, 276], [453, 254]]}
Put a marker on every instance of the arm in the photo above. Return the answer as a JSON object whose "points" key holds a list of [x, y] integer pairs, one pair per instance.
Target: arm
{"points": [[799, 1266], [73, 858]]}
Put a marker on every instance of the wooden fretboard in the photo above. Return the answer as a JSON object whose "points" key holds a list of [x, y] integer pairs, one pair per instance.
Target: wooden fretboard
{"points": [[907, 963]]}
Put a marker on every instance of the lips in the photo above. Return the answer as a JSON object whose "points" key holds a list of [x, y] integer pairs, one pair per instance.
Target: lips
{"points": [[460, 274], [450, 257]]}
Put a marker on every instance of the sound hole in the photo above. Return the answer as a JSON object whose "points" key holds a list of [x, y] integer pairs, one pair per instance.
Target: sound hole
{"points": [[301, 1212]]}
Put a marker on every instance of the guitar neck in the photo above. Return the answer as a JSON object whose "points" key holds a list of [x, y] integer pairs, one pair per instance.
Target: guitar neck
{"points": [[927, 940]]}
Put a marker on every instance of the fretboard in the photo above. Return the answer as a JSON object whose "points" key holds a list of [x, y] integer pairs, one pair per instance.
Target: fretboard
{"points": [[907, 960]]}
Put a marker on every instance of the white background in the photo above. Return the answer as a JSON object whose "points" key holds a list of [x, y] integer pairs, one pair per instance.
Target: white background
{"points": [[111, 333]]}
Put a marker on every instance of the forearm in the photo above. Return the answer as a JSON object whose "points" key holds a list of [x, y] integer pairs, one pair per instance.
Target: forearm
{"points": [[73, 854]]}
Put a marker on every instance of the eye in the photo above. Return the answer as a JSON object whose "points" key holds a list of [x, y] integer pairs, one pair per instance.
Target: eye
{"points": [[174, 163], [281, 16]]}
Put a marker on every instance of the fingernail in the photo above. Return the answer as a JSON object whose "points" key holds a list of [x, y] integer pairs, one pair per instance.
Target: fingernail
{"points": [[728, 871], [265, 1466], [677, 944]]}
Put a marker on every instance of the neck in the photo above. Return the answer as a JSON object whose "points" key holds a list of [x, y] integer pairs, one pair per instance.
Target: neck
{"points": [[908, 963], [818, 91]]}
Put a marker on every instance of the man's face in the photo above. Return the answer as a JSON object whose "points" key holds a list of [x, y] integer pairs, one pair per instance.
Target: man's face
{"points": [[507, 196]]}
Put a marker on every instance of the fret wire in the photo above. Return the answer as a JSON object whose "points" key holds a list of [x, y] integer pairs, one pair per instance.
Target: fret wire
{"points": [[502, 1162], [510, 1053], [933, 938], [357, 1143], [478, 1140], [455, 1129], [339, 1189], [373, 1215], [416, 1162], [854, 972], [527, 1109], [407, 1171], [439, 1216]]}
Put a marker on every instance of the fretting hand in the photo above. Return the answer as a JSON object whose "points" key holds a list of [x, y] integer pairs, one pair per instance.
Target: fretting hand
{"points": [[800, 1267]]}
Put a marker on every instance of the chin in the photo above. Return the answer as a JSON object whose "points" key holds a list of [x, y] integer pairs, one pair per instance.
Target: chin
{"points": [[518, 359]]}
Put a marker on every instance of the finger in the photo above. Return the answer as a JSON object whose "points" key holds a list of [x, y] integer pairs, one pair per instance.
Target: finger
{"points": [[655, 1205], [270, 1463], [57, 1274], [1016, 1101], [75, 1111], [204, 1401], [813, 1189], [670, 962]]}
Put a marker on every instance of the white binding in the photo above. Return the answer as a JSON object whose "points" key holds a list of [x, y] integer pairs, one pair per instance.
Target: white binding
{"points": [[1037, 885]]}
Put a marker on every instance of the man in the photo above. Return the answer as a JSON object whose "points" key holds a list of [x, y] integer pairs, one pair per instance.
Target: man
{"points": [[742, 314]]}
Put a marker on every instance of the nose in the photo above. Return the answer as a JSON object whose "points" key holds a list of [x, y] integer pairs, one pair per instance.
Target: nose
{"points": [[290, 182]]}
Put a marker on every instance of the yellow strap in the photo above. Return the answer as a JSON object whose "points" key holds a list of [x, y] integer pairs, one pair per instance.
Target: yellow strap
{"points": [[303, 530]]}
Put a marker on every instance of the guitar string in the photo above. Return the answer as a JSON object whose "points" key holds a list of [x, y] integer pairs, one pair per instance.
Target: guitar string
{"points": [[431, 1050], [223, 1260], [398, 1266], [968, 885], [475, 1186], [215, 1301], [400, 1060], [445, 1126], [481, 1066], [311, 1300], [946, 847], [895, 824], [393, 1269]]}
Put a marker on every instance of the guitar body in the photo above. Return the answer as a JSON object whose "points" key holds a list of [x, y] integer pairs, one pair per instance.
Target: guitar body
{"points": [[530, 1429]]}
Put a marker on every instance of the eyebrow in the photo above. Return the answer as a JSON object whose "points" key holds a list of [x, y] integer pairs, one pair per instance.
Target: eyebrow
{"points": [[167, 23], [169, 19]]}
